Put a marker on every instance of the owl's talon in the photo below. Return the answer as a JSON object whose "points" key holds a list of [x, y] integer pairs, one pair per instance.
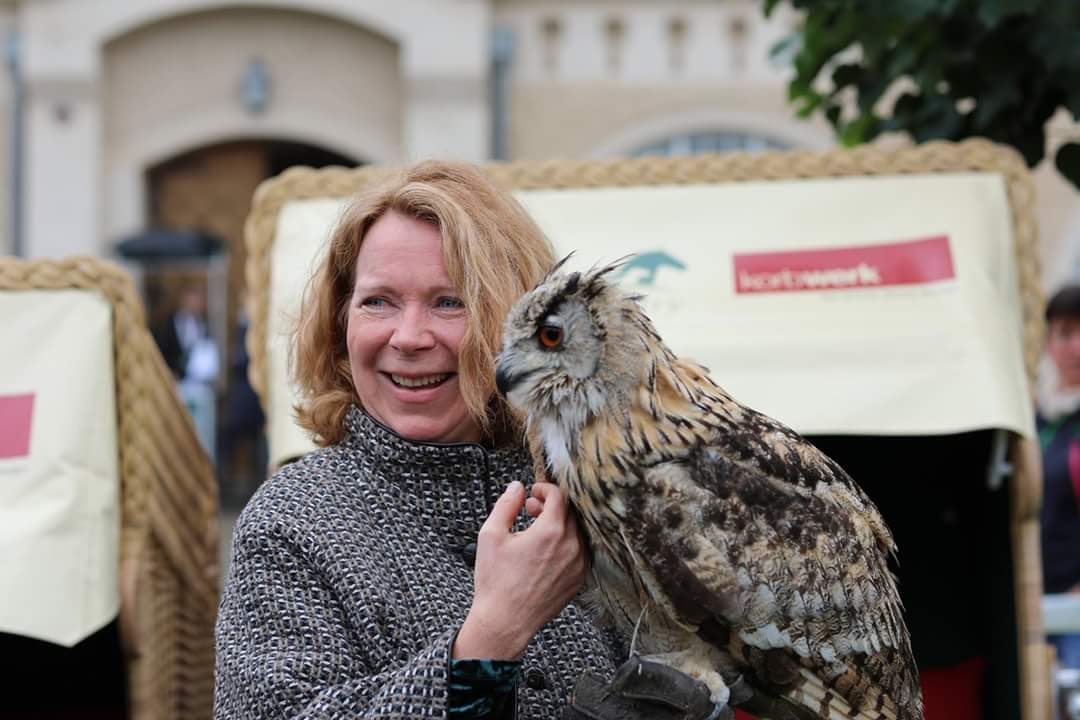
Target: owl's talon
{"points": [[740, 690], [643, 689], [722, 712]]}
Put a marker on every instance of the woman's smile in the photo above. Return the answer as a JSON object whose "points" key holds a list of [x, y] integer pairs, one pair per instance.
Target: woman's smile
{"points": [[419, 382]]}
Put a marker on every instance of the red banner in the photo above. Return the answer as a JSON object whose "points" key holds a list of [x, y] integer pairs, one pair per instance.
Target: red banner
{"points": [[909, 262], [16, 413]]}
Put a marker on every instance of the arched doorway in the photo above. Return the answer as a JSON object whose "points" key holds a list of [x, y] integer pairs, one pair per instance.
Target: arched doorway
{"points": [[209, 191]]}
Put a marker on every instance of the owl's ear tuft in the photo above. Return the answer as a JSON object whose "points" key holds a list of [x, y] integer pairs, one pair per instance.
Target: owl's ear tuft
{"points": [[596, 281], [558, 266], [572, 283], [616, 264]]}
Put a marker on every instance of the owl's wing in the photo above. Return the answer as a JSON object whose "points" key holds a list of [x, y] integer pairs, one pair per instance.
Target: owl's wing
{"points": [[771, 550]]}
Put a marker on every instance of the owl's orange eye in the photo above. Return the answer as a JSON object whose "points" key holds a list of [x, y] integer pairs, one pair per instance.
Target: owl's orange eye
{"points": [[550, 336]]}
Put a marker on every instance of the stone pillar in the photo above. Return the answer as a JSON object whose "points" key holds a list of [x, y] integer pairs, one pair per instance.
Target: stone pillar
{"points": [[63, 167], [7, 90]]}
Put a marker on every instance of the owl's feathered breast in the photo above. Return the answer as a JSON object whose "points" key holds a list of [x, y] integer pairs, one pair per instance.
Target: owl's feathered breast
{"points": [[733, 524]]}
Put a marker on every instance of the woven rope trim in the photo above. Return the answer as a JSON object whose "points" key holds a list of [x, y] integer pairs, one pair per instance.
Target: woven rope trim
{"points": [[168, 493], [976, 155]]}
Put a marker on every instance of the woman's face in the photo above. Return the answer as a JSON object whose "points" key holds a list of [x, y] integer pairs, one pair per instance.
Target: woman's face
{"points": [[405, 325]]}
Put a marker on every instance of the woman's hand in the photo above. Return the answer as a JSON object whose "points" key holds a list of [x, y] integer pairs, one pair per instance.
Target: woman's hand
{"points": [[522, 580]]}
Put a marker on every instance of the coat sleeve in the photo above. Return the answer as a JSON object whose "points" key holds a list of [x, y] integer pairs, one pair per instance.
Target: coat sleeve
{"points": [[285, 648]]}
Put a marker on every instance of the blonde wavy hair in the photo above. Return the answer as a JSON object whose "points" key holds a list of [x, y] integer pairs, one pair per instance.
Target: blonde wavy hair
{"points": [[493, 252]]}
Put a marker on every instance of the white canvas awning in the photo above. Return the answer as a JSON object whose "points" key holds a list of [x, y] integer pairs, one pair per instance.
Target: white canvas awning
{"points": [[870, 305], [59, 479]]}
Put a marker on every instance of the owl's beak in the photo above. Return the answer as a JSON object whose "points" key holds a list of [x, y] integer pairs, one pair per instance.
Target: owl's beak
{"points": [[505, 382], [506, 379]]}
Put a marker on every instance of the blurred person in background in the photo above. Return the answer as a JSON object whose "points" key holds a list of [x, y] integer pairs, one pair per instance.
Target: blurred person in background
{"points": [[192, 355], [184, 339], [392, 573], [1058, 423]]}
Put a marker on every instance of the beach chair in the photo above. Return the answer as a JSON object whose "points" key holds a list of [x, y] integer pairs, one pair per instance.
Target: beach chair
{"points": [[110, 533], [883, 302]]}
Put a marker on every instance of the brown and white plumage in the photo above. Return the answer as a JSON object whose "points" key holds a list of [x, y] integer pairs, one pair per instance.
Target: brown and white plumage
{"points": [[755, 562]]}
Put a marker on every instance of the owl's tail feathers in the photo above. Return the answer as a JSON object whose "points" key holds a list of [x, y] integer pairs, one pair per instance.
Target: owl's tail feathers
{"points": [[813, 700], [826, 704]]}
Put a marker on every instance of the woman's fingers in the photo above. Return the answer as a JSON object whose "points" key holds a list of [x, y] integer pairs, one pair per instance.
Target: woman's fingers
{"points": [[502, 516], [522, 579], [552, 500]]}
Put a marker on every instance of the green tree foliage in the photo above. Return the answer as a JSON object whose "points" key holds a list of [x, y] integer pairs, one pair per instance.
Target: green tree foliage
{"points": [[991, 68]]}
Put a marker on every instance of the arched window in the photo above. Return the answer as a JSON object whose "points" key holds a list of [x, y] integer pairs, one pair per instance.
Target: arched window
{"points": [[710, 142]]}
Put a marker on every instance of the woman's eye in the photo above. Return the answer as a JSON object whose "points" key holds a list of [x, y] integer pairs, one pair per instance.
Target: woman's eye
{"points": [[374, 302], [450, 303]]}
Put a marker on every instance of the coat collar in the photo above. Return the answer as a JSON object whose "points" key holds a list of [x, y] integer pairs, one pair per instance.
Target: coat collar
{"points": [[451, 486]]}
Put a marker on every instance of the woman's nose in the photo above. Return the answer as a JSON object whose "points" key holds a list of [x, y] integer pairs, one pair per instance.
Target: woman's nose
{"points": [[413, 331]]}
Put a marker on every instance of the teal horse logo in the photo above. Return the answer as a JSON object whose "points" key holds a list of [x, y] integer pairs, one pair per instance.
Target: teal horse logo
{"points": [[649, 263]]}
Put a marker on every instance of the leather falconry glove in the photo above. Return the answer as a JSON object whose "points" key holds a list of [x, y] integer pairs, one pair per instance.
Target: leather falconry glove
{"points": [[644, 690]]}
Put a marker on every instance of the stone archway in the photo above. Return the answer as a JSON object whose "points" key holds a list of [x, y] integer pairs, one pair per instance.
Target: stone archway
{"points": [[210, 190], [184, 83], [114, 87]]}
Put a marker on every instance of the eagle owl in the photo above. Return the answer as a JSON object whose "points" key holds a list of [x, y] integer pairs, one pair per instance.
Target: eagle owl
{"points": [[744, 556]]}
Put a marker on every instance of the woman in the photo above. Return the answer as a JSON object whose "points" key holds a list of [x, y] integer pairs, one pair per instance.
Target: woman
{"points": [[351, 591]]}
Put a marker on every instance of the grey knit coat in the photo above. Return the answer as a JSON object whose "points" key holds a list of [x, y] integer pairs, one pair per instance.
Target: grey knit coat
{"points": [[350, 579]]}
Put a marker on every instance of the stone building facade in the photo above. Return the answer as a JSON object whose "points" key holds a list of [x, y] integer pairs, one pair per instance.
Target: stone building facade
{"points": [[126, 114]]}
